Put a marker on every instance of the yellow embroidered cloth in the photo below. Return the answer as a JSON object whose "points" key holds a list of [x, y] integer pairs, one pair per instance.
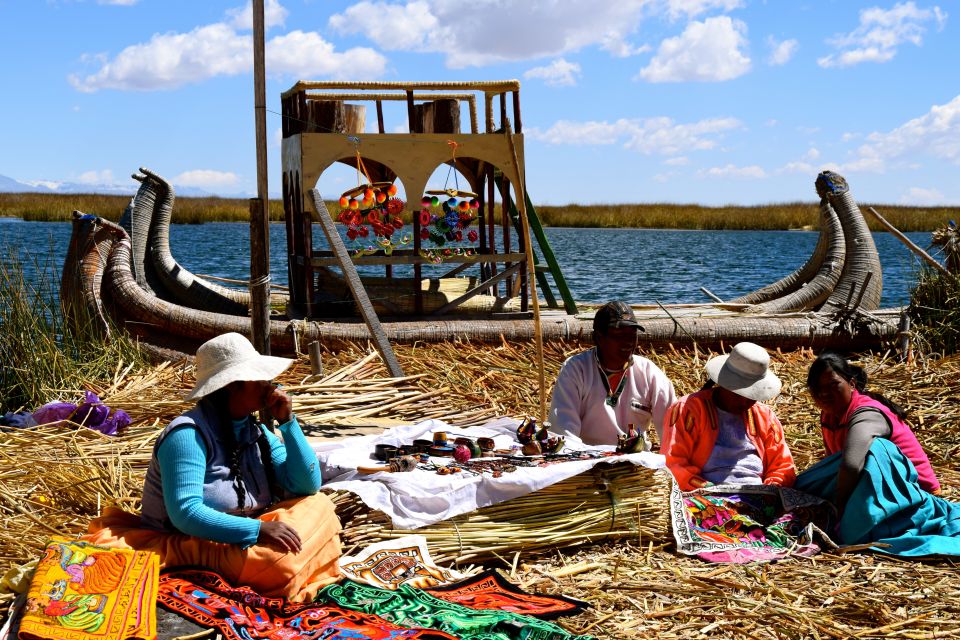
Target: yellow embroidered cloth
{"points": [[81, 591]]}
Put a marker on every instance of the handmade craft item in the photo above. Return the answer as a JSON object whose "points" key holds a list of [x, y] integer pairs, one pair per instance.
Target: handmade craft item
{"points": [[461, 453], [537, 440], [372, 208], [446, 216], [633, 441], [748, 523], [239, 613], [490, 590], [415, 607], [82, 591], [403, 464], [396, 562]]}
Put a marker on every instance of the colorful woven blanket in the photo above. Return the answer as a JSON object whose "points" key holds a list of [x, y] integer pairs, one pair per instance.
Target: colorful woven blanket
{"points": [[81, 591], [417, 608], [748, 523], [489, 590], [239, 613], [394, 562]]}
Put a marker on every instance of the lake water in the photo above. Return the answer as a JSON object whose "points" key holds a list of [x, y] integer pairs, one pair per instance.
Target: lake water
{"points": [[638, 265]]}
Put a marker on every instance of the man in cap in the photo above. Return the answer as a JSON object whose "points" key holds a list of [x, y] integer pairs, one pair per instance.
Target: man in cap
{"points": [[724, 434], [602, 391]]}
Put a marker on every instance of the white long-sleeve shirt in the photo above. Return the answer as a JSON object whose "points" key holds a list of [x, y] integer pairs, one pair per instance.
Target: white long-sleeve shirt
{"points": [[579, 406]]}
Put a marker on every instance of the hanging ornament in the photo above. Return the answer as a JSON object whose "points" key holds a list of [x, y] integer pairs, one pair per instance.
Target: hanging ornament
{"points": [[371, 208], [445, 215]]}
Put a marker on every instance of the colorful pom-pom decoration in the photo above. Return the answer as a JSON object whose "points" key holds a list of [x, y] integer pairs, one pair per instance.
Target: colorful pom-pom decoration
{"points": [[344, 202], [392, 190], [461, 453]]}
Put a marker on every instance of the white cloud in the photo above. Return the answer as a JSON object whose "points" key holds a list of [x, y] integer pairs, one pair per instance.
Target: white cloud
{"points": [[708, 51], [277, 138], [206, 178], [781, 52], [936, 134], [733, 171], [921, 196], [880, 33], [171, 60], [692, 8], [677, 161], [650, 136], [274, 15], [558, 73], [811, 154], [801, 167], [473, 33], [104, 176], [847, 137]]}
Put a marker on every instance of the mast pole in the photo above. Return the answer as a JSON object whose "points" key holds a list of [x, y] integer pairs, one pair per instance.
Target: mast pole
{"points": [[260, 206]]}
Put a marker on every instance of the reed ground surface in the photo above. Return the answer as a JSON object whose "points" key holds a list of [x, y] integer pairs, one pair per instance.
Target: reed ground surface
{"points": [[54, 480], [777, 216]]}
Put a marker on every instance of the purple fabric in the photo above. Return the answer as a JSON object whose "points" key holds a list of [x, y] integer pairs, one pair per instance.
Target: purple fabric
{"points": [[91, 413]]}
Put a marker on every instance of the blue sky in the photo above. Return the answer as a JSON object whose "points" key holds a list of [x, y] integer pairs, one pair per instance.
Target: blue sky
{"points": [[690, 101]]}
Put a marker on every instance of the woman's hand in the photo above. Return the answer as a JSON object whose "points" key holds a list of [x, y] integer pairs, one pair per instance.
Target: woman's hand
{"points": [[279, 405], [279, 536]]}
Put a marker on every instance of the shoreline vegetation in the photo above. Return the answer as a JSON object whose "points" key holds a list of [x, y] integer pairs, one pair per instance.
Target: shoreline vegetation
{"points": [[42, 207]]}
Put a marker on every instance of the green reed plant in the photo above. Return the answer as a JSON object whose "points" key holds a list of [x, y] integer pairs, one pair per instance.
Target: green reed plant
{"points": [[40, 355], [935, 311]]}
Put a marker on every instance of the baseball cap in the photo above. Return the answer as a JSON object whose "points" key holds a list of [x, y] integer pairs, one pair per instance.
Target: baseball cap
{"points": [[613, 315]]}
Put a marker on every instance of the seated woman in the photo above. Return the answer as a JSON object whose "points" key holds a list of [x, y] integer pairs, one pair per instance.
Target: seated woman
{"points": [[212, 490], [852, 417], [722, 434]]}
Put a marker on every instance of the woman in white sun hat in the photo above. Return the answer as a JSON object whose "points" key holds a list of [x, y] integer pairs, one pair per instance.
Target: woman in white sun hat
{"points": [[223, 492], [723, 434]]}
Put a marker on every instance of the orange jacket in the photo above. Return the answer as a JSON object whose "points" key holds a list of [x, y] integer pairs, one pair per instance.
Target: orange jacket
{"points": [[690, 431]]}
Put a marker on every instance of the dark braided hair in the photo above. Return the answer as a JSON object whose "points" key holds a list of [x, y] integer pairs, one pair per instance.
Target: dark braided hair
{"points": [[219, 399], [856, 375]]}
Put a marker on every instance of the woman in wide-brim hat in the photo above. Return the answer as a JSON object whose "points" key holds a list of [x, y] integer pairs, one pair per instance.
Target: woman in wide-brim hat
{"points": [[724, 434], [223, 492]]}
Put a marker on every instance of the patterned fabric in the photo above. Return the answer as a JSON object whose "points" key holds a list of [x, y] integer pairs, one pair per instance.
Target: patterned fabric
{"points": [[82, 591], [748, 523], [417, 608], [239, 613], [490, 590], [391, 563]]}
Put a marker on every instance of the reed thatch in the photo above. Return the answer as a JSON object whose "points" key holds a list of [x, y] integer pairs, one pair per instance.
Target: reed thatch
{"points": [[56, 479]]}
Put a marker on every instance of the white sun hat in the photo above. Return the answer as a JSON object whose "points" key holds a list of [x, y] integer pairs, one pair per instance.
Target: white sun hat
{"points": [[746, 372], [228, 358]]}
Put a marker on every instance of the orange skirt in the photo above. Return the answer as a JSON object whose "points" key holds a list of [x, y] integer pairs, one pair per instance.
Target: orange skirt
{"points": [[296, 577]]}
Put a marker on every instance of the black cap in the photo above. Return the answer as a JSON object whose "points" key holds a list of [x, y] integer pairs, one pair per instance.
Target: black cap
{"points": [[613, 315]]}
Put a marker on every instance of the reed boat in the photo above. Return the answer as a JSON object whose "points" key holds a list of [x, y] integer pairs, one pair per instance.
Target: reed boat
{"points": [[127, 278]]}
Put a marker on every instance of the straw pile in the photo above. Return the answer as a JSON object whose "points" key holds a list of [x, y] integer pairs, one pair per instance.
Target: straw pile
{"points": [[55, 480]]}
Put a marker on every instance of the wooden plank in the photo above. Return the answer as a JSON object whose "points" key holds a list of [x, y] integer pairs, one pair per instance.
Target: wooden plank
{"points": [[356, 286], [506, 273]]}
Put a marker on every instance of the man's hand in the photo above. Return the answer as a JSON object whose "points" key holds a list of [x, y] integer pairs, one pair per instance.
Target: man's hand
{"points": [[279, 536], [279, 405]]}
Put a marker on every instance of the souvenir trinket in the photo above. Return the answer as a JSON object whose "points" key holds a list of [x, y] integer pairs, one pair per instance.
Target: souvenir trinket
{"points": [[440, 439], [384, 452], [461, 453], [441, 452], [633, 441]]}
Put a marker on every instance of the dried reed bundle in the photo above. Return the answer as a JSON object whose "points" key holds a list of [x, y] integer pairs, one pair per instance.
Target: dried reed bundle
{"points": [[609, 502]]}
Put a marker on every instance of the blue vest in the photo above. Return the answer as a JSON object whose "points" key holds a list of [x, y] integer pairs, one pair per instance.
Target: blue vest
{"points": [[218, 488]]}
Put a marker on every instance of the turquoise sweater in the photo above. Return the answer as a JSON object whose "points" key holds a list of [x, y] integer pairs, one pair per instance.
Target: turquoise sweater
{"points": [[182, 458]]}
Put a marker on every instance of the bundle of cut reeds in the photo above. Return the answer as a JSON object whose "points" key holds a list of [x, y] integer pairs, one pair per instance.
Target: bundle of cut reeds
{"points": [[609, 502]]}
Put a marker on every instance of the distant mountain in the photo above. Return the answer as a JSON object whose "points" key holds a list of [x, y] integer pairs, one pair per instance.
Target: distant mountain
{"points": [[9, 185]]}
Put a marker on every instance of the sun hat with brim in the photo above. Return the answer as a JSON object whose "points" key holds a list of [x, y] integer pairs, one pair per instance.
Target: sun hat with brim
{"points": [[230, 358], [746, 372]]}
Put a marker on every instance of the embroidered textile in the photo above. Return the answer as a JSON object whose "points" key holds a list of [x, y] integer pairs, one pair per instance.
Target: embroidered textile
{"points": [[490, 590], [747, 523], [395, 562], [82, 591], [414, 607], [239, 613]]}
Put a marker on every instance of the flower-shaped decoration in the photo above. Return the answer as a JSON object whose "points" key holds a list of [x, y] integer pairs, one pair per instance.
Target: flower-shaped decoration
{"points": [[445, 218], [373, 208]]}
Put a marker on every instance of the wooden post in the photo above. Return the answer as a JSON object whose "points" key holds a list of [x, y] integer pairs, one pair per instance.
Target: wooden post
{"points": [[316, 363], [352, 278], [260, 207], [905, 240], [528, 250]]}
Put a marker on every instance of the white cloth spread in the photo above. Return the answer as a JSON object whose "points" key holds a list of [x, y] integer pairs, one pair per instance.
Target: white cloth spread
{"points": [[420, 497], [579, 406]]}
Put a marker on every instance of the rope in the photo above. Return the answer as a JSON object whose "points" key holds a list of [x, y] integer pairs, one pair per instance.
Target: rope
{"points": [[259, 282]]}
